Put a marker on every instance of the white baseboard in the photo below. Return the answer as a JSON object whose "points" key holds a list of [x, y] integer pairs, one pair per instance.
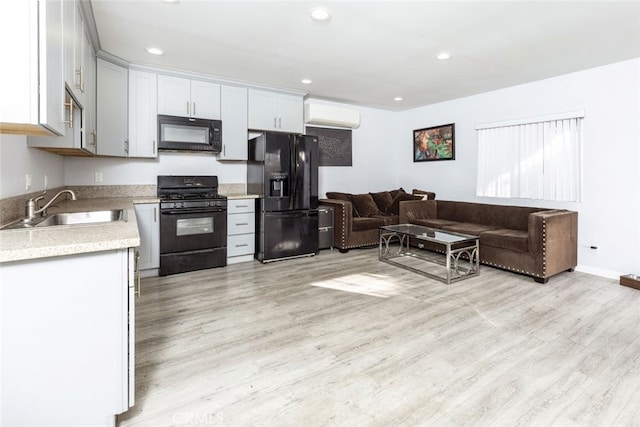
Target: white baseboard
{"points": [[609, 274]]}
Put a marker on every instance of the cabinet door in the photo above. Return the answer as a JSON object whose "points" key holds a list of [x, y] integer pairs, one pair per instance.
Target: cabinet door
{"points": [[262, 110], [174, 96], [142, 114], [290, 114], [147, 216], [205, 100], [233, 102], [68, 34], [89, 134], [112, 109], [51, 66]]}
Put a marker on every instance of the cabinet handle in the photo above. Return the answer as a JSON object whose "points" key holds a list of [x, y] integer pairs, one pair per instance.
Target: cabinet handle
{"points": [[274, 122], [138, 287], [194, 108], [80, 73], [93, 138], [240, 246], [126, 146], [154, 146], [242, 223], [155, 215], [280, 122], [242, 206], [188, 106], [69, 105]]}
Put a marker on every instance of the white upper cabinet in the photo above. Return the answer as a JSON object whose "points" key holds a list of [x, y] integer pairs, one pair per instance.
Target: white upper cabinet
{"points": [[77, 51], [112, 116], [188, 98], [31, 40], [234, 123], [143, 129], [275, 111]]}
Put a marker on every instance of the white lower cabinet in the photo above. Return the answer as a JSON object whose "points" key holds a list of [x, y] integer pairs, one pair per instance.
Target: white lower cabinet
{"points": [[67, 339], [241, 228], [148, 217]]}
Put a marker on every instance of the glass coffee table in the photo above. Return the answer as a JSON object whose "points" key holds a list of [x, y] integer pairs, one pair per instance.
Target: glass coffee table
{"points": [[461, 251]]}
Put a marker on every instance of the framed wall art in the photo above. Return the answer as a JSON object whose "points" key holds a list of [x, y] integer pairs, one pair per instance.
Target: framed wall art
{"points": [[434, 143], [334, 145]]}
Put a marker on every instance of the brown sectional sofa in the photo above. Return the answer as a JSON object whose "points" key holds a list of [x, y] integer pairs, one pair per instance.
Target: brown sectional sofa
{"points": [[537, 242], [357, 217]]}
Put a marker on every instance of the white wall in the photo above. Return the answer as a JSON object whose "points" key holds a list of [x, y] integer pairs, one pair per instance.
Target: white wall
{"points": [[81, 171], [374, 151], [609, 213], [17, 160]]}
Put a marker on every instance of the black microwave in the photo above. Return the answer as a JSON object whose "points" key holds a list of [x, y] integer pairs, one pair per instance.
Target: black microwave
{"points": [[187, 134]]}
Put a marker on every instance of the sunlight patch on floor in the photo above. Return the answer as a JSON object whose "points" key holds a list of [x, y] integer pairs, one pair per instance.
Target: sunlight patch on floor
{"points": [[377, 285]]}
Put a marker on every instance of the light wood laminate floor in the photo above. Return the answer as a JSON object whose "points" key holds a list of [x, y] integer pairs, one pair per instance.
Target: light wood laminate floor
{"points": [[347, 340]]}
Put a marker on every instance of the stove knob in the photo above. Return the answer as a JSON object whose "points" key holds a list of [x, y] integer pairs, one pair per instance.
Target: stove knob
{"points": [[178, 204]]}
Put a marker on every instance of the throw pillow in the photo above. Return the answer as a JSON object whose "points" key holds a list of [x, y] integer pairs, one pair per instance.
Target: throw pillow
{"points": [[426, 195], [339, 196], [383, 200], [394, 193], [395, 206], [365, 205]]}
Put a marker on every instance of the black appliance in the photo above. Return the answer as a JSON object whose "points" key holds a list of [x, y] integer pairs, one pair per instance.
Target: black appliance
{"points": [[193, 224], [188, 134], [283, 169]]}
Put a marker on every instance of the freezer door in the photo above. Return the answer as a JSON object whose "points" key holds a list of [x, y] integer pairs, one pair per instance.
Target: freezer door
{"points": [[286, 235]]}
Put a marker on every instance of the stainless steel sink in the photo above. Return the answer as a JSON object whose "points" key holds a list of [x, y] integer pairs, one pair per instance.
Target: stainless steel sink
{"points": [[71, 218]]}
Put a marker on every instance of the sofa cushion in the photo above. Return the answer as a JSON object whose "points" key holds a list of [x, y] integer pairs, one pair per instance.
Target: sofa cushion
{"points": [[426, 195], [395, 206], [364, 205], [469, 228], [513, 240], [383, 200], [394, 193], [432, 223], [360, 224], [388, 219]]}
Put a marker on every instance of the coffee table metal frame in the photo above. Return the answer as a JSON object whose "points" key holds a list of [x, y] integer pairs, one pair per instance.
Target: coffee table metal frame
{"points": [[461, 251]]}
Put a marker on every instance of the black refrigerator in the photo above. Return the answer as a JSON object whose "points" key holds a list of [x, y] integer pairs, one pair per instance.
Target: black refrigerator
{"points": [[283, 169]]}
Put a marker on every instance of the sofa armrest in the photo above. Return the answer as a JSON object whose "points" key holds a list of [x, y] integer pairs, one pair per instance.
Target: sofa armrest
{"points": [[342, 220], [553, 240], [417, 209]]}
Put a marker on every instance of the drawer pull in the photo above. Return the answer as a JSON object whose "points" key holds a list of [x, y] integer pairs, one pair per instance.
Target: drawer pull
{"points": [[243, 245], [242, 206], [242, 223], [323, 229]]}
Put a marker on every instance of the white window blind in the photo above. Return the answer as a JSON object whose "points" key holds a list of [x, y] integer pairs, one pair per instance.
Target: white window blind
{"points": [[532, 159]]}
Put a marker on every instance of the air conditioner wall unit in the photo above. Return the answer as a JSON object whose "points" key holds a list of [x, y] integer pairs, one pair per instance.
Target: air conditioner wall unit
{"points": [[327, 115]]}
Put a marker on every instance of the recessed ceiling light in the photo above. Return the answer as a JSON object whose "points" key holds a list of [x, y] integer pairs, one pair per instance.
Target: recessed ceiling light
{"points": [[306, 81], [171, 1], [444, 55], [154, 51], [320, 14], [397, 98]]}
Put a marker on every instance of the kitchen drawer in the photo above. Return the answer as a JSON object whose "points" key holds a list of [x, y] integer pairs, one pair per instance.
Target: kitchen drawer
{"points": [[325, 216], [242, 244], [241, 206], [241, 223], [325, 238]]}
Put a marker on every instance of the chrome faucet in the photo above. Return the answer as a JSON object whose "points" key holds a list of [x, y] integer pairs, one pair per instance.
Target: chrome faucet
{"points": [[31, 209]]}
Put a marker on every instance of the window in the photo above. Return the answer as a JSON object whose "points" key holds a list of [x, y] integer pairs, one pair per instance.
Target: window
{"points": [[538, 158]]}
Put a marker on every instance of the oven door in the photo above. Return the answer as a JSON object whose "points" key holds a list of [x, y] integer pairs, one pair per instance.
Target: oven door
{"points": [[192, 239]]}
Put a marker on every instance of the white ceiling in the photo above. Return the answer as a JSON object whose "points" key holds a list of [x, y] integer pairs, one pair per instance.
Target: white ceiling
{"points": [[372, 51]]}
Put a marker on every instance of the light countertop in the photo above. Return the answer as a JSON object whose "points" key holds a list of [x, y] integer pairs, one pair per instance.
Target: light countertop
{"points": [[33, 243]]}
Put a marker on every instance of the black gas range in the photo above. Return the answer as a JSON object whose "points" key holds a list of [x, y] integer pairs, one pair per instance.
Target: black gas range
{"points": [[193, 224]]}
